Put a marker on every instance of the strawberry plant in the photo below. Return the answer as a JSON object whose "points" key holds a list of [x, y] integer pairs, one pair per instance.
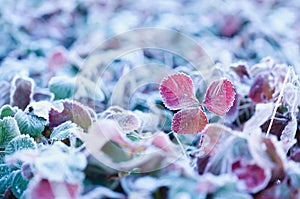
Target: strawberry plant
{"points": [[178, 93], [95, 105]]}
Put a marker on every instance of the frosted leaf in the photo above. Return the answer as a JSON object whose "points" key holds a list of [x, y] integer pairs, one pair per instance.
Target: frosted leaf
{"points": [[219, 97], [177, 91], [189, 121]]}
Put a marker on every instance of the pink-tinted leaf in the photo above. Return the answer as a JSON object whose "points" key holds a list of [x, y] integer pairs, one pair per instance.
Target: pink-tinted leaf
{"points": [[57, 59], [21, 92], [211, 137], [163, 142], [189, 121], [73, 111], [51, 190], [219, 97], [177, 91], [261, 90], [128, 122], [253, 178], [233, 112]]}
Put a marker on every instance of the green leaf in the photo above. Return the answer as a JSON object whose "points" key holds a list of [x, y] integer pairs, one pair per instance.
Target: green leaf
{"points": [[19, 184], [65, 130], [19, 143], [62, 87], [115, 151], [6, 182], [8, 130], [30, 124], [4, 170], [2, 154], [7, 111]]}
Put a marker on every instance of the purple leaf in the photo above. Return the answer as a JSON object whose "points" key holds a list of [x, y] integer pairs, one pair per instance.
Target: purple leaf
{"points": [[73, 111], [189, 121], [21, 92], [219, 97], [177, 92]]}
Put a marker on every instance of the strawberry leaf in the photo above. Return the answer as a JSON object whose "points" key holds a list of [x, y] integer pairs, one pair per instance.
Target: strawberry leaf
{"points": [[30, 124], [261, 91], [219, 97], [62, 87], [6, 182], [7, 111], [189, 121], [8, 130], [211, 140], [21, 94], [72, 111], [63, 131], [19, 143], [19, 184], [177, 92]]}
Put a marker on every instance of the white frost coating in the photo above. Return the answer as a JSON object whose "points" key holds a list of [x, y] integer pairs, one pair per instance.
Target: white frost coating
{"points": [[262, 113]]}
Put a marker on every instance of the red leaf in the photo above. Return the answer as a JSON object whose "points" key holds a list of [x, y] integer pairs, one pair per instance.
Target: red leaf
{"points": [[177, 92], [189, 121], [219, 97], [261, 90], [253, 177]]}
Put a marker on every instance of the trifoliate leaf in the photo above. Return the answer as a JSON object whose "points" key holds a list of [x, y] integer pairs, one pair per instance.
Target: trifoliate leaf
{"points": [[8, 130], [19, 143], [30, 124], [62, 87], [19, 184], [65, 130]]}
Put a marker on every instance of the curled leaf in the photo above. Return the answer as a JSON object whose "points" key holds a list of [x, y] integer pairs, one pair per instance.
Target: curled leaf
{"points": [[177, 91], [219, 97], [189, 121]]}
